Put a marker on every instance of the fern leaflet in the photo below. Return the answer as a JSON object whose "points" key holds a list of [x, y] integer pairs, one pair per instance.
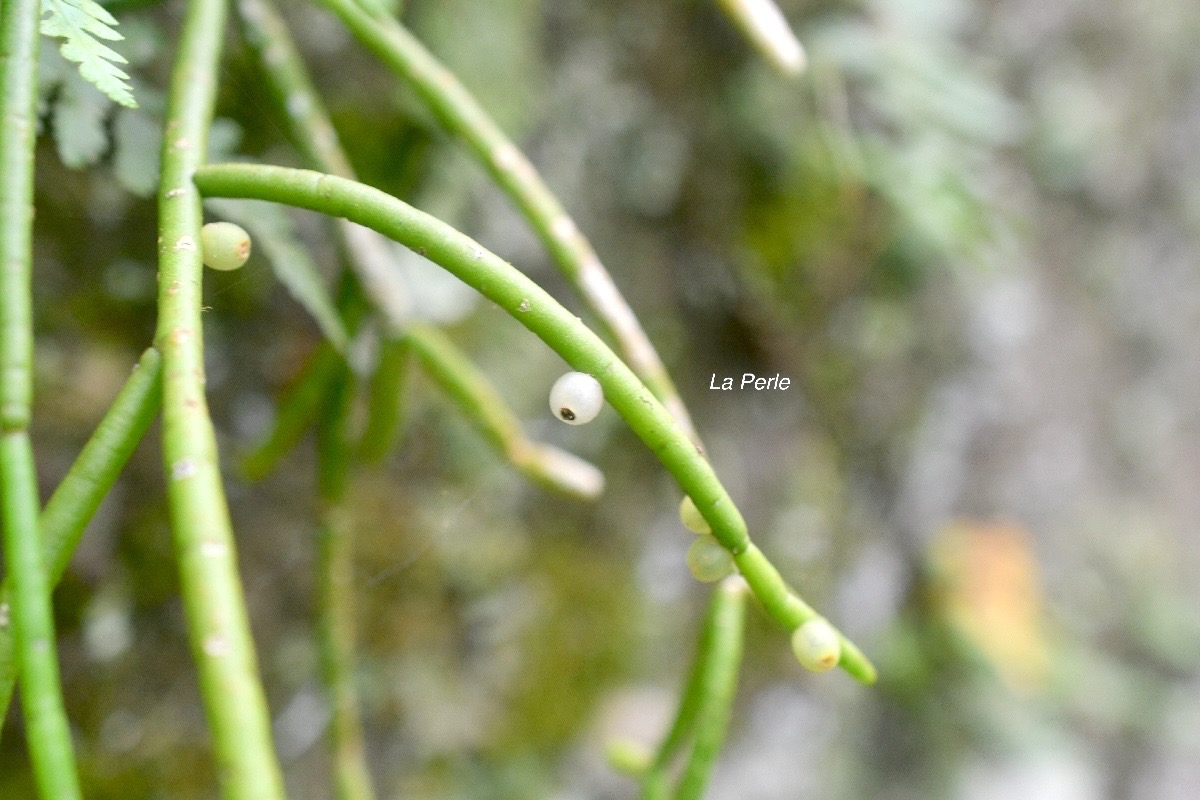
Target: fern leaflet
{"points": [[81, 23]]}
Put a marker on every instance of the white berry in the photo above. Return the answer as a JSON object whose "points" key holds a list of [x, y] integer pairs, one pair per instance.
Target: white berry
{"points": [[576, 398], [224, 246], [691, 518], [816, 645], [708, 560]]}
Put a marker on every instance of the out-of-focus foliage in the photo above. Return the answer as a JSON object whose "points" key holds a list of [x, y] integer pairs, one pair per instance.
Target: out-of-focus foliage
{"points": [[967, 234]]}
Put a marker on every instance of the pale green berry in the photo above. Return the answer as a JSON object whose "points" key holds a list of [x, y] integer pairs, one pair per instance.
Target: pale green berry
{"points": [[691, 518], [224, 246], [632, 758], [576, 398], [708, 560], [816, 645]]}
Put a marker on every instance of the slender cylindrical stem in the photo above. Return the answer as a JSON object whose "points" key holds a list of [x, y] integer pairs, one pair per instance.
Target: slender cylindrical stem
{"points": [[311, 130], [29, 610], [46, 727], [462, 114], [218, 628], [707, 697], [655, 785], [530, 305], [18, 125], [335, 593], [85, 485], [296, 413], [385, 411], [483, 405], [721, 649], [764, 25]]}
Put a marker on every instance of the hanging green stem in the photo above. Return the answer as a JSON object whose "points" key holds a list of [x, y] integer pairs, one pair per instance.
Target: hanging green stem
{"points": [[704, 708], [462, 114], [296, 413], [310, 128], [480, 401], [47, 731], [18, 124], [655, 784], [385, 408], [313, 133], [721, 649], [335, 593], [530, 305], [77, 497], [218, 628], [46, 727]]}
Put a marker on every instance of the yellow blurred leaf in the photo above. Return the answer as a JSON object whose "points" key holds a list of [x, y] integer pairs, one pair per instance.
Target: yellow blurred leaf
{"points": [[986, 584]]}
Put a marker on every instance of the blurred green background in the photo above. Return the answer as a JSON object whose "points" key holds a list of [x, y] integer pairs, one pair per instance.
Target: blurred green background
{"points": [[968, 236]]}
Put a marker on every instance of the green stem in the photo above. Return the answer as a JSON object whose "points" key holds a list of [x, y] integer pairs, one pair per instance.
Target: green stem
{"points": [[297, 411], [46, 728], [313, 133], [286, 78], [85, 485], [721, 649], [462, 114], [654, 782], [480, 401], [218, 628], [335, 590], [707, 696], [385, 411], [530, 305], [18, 123], [47, 731], [302, 403]]}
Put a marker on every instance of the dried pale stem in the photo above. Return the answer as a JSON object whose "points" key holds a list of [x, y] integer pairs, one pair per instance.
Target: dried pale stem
{"points": [[483, 405], [218, 624], [462, 114], [530, 305], [764, 25]]}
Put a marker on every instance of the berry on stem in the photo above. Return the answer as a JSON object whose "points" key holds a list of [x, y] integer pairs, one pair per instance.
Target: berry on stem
{"points": [[816, 645], [708, 560], [576, 398], [224, 246], [691, 518]]}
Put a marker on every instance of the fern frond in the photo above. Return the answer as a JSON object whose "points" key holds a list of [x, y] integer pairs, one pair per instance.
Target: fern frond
{"points": [[81, 23]]}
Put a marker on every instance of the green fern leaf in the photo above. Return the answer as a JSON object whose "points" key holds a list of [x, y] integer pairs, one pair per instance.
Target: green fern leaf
{"points": [[81, 23]]}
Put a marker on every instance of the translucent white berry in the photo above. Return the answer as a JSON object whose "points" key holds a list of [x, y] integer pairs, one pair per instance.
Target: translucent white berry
{"points": [[224, 246], [816, 645], [576, 398], [690, 516], [708, 560]]}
